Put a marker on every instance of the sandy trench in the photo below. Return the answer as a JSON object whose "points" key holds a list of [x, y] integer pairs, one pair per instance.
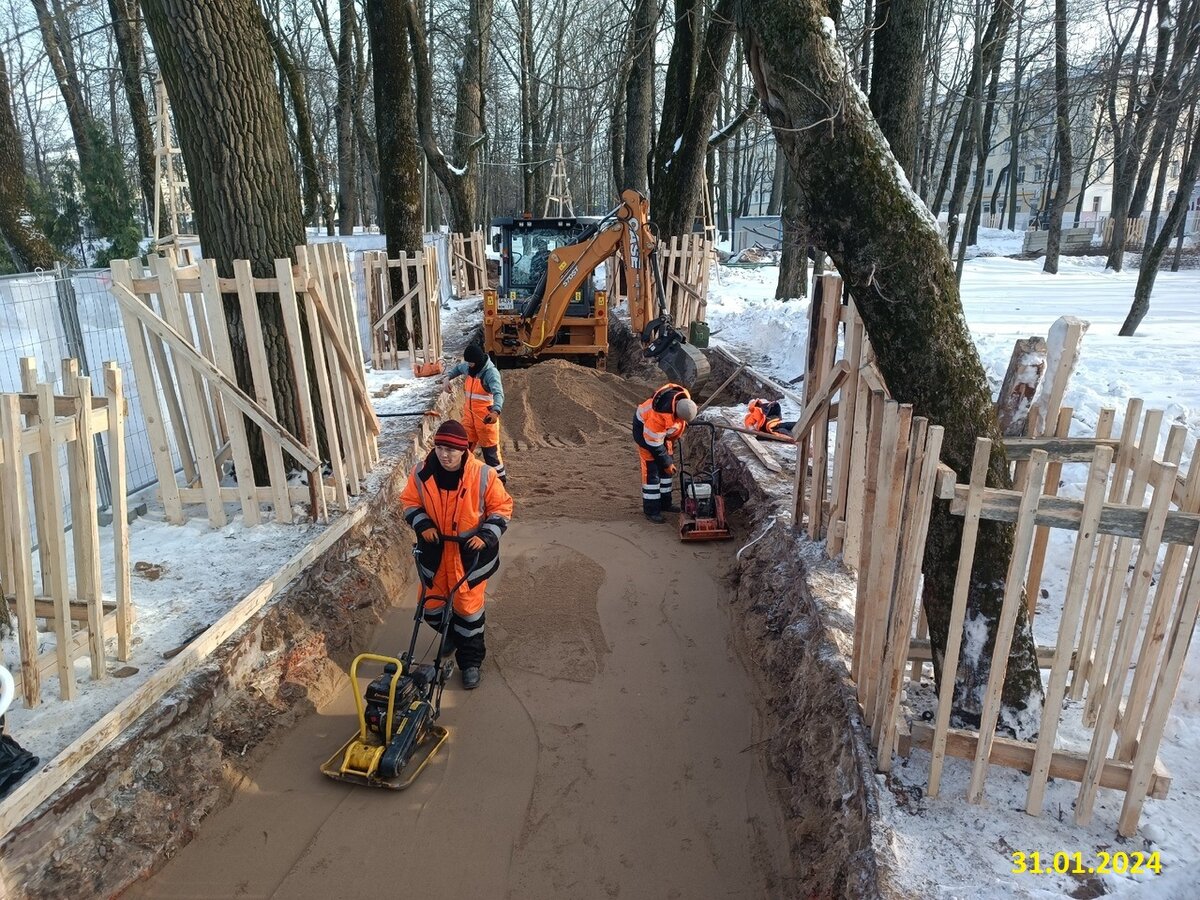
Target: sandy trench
{"points": [[613, 749]]}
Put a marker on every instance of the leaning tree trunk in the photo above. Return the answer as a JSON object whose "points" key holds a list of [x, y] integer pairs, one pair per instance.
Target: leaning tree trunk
{"points": [[128, 38], [793, 260], [1151, 260], [27, 246], [1065, 155], [218, 71], [898, 76], [886, 246], [402, 213]]}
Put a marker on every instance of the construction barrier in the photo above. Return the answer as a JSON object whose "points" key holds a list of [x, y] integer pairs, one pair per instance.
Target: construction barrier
{"points": [[180, 344], [40, 427], [468, 264], [400, 285]]}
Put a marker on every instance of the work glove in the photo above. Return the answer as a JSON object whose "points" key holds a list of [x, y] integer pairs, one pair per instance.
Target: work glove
{"points": [[671, 469], [476, 543], [430, 535], [447, 385], [489, 419]]}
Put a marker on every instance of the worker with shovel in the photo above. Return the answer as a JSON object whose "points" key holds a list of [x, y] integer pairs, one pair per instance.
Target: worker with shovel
{"points": [[458, 508], [657, 423], [485, 400]]}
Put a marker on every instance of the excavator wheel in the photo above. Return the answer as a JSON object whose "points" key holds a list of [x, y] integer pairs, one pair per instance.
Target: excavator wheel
{"points": [[684, 364]]}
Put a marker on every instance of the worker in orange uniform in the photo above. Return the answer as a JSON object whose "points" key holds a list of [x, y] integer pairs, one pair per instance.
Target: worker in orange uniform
{"points": [[766, 416], [485, 400], [657, 424], [458, 508]]}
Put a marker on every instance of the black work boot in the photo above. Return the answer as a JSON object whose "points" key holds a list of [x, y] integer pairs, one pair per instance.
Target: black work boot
{"points": [[471, 678], [655, 517]]}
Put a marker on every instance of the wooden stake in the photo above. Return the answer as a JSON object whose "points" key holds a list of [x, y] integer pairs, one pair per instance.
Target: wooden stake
{"points": [[1033, 581], [1014, 584], [85, 529], [120, 508], [958, 608], [54, 581], [16, 510]]}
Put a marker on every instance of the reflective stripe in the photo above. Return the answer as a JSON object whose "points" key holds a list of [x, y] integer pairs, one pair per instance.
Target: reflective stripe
{"points": [[473, 617], [467, 632], [495, 529], [474, 396], [483, 485]]}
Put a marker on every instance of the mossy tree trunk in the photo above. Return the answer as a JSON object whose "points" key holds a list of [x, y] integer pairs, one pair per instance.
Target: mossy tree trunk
{"points": [[639, 96], [898, 75], [886, 245], [219, 74], [27, 247]]}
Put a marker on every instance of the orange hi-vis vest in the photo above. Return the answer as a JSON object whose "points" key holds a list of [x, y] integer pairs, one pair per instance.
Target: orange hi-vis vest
{"points": [[657, 416], [757, 417], [479, 503], [479, 398]]}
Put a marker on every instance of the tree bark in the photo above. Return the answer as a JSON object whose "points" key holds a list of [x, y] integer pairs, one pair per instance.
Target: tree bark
{"points": [[1151, 260], [127, 34], [639, 96], [27, 247], [678, 186], [897, 76], [680, 80], [1066, 157], [218, 70], [310, 174], [344, 118], [793, 260], [886, 246]]}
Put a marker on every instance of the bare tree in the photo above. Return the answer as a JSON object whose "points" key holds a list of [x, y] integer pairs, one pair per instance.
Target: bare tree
{"points": [[27, 246], [1062, 121]]}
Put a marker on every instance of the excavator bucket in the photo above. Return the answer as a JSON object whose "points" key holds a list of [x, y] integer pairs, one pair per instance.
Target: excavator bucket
{"points": [[684, 364]]}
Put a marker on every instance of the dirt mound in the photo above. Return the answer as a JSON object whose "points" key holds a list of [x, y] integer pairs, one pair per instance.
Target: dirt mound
{"points": [[558, 403]]}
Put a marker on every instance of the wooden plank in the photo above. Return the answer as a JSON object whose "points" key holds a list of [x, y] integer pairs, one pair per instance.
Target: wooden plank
{"points": [[926, 446], [290, 312], [1021, 382], [856, 476], [297, 493], [190, 358], [1033, 579], [47, 662], [1131, 621], [85, 529], [1136, 496], [1068, 627], [920, 651], [768, 463], [763, 380], [385, 318], [827, 350], [345, 362], [958, 608], [843, 442], [1058, 449], [15, 509], [724, 384], [1102, 568], [1013, 754], [862, 564], [30, 794], [29, 444], [888, 515], [1013, 587], [264, 395], [118, 487], [887, 429], [148, 399], [43, 607], [191, 387], [213, 308], [1063, 343], [166, 383], [54, 580], [333, 444], [1183, 626], [829, 386]]}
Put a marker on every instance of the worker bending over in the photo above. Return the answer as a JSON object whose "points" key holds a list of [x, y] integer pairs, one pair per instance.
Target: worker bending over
{"points": [[657, 424], [485, 400], [458, 508], [766, 416]]}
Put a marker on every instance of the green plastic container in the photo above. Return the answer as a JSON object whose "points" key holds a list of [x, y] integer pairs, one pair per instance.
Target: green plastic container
{"points": [[698, 334]]}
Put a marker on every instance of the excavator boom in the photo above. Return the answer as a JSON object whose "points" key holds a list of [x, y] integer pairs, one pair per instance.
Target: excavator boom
{"points": [[547, 322]]}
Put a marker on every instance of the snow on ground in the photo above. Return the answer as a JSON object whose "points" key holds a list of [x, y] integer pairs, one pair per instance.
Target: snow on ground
{"points": [[192, 574], [946, 847]]}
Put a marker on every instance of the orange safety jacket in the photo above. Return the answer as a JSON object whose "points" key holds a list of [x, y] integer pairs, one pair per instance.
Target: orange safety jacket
{"points": [[480, 505], [759, 416], [655, 425]]}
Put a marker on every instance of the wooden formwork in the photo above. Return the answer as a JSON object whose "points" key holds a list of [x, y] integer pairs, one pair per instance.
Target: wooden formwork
{"points": [[416, 277], [468, 264], [685, 265], [1124, 631], [181, 348], [40, 427]]}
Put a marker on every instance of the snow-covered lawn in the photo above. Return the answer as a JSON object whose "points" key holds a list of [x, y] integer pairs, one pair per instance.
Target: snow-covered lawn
{"points": [[947, 847]]}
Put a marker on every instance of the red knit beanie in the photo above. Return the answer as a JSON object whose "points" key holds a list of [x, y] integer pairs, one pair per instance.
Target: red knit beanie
{"points": [[452, 434]]}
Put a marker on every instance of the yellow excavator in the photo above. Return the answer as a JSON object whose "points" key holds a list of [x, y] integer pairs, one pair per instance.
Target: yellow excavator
{"points": [[546, 304]]}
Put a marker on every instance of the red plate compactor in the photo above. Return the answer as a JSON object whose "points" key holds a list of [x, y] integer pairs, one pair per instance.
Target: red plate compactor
{"points": [[702, 508]]}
